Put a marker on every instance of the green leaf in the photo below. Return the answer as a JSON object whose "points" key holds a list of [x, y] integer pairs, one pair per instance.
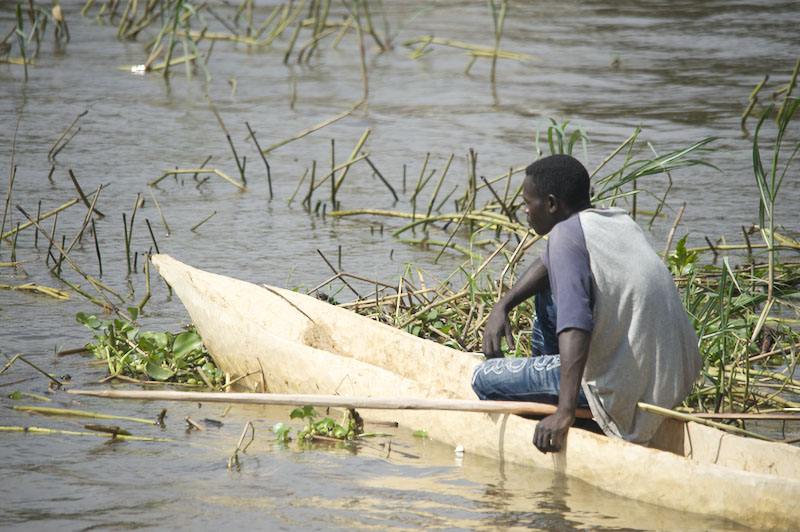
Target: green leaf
{"points": [[185, 343], [280, 428], [16, 396], [420, 434], [339, 432], [157, 372], [90, 321], [157, 339], [134, 312], [132, 334], [145, 344], [306, 411]]}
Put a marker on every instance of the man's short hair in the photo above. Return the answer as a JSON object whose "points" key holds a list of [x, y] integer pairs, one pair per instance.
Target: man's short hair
{"points": [[562, 176]]}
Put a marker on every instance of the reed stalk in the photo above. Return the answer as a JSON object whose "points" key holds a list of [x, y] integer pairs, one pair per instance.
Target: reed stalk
{"points": [[342, 166], [267, 22], [152, 236], [86, 219], [292, 40], [127, 243], [31, 364], [75, 267], [228, 137], [263, 157], [60, 138], [41, 430], [285, 22], [419, 185], [32, 287], [348, 285], [353, 157], [79, 413], [97, 250], [702, 421], [5, 209], [160, 213], [438, 186], [198, 171], [377, 173], [498, 31], [345, 26], [201, 222], [474, 49], [671, 234], [81, 194], [424, 243], [147, 294]]}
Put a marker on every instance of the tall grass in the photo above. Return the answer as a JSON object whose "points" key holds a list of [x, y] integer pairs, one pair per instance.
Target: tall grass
{"points": [[770, 179]]}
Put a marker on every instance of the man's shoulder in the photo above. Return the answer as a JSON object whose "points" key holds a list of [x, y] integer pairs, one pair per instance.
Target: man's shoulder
{"points": [[611, 219], [605, 213], [569, 229]]}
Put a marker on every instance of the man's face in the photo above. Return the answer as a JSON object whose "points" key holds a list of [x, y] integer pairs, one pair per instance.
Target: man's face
{"points": [[539, 210]]}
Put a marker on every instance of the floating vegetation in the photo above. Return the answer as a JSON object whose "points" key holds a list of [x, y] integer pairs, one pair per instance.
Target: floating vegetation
{"points": [[38, 19], [79, 413], [304, 27], [158, 356], [233, 461], [325, 429], [33, 287], [103, 434]]}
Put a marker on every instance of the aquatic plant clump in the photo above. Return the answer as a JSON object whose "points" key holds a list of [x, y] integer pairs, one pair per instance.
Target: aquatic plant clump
{"points": [[326, 428], [148, 355]]}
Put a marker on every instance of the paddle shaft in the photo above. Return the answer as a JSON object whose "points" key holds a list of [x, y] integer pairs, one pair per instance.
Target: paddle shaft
{"points": [[378, 403]]}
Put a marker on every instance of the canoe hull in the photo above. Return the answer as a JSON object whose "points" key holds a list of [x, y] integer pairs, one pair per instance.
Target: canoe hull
{"points": [[291, 343]]}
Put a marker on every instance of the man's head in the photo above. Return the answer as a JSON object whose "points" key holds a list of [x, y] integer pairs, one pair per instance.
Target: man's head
{"points": [[555, 188]]}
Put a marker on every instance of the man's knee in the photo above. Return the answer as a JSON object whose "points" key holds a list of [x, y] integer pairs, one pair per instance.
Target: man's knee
{"points": [[478, 382]]}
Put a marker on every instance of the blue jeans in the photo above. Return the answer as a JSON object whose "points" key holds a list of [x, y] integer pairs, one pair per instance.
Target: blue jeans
{"points": [[537, 378]]}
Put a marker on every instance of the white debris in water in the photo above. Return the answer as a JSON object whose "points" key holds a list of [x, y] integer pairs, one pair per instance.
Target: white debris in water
{"points": [[138, 69], [459, 449]]}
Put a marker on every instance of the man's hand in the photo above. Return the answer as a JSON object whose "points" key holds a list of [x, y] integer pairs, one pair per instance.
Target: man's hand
{"points": [[535, 279], [497, 326], [550, 431]]}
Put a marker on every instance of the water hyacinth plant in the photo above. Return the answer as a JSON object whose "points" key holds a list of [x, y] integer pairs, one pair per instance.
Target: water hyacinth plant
{"points": [[325, 428], [159, 356]]}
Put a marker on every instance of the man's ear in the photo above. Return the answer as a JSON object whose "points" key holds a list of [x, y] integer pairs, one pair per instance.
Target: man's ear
{"points": [[552, 203]]}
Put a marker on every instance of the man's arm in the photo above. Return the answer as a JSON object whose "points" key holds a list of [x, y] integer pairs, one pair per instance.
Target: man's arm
{"points": [[535, 279], [573, 345]]}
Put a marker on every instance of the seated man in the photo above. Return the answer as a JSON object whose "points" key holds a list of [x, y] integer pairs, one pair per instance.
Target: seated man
{"points": [[614, 333]]}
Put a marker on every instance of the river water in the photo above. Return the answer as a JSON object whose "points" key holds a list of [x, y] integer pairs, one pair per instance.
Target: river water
{"points": [[683, 70]]}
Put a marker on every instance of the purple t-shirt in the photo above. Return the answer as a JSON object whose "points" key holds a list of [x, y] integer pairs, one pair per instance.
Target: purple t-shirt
{"points": [[567, 261]]}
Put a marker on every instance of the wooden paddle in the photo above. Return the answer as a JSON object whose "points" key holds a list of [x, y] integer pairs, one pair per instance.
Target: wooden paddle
{"points": [[379, 403]]}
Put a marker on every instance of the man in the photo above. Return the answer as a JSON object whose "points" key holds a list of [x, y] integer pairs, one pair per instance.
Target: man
{"points": [[613, 334]]}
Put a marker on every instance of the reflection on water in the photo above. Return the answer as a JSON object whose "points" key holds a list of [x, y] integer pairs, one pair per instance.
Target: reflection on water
{"points": [[682, 69]]}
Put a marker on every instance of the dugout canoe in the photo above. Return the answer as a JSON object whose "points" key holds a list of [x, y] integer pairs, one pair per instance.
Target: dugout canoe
{"points": [[288, 342]]}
